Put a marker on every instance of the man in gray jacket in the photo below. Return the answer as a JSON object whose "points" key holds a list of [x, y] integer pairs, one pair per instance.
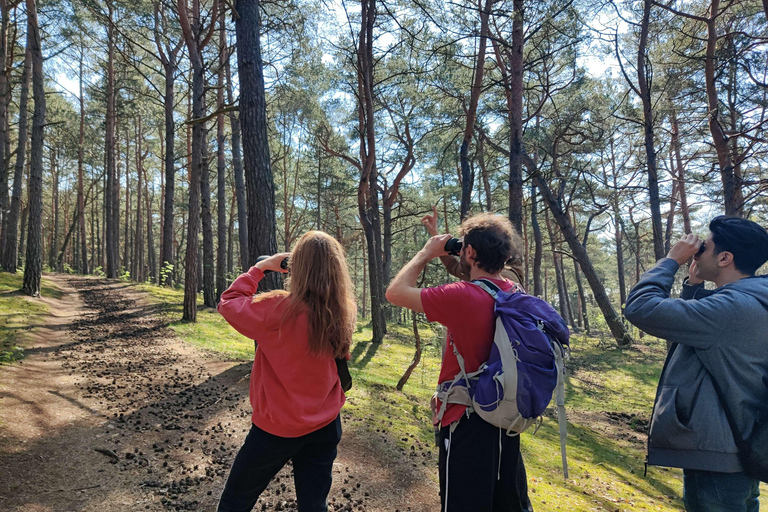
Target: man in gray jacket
{"points": [[719, 338]]}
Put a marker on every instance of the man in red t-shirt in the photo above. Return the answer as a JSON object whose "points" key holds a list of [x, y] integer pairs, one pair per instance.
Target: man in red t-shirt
{"points": [[478, 463]]}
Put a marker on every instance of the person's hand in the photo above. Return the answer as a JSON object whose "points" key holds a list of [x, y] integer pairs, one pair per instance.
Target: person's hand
{"points": [[686, 248], [435, 246], [692, 279], [430, 222], [273, 263]]}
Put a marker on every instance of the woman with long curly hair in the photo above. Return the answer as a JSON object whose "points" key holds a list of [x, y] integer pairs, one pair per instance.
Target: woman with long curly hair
{"points": [[295, 390]]}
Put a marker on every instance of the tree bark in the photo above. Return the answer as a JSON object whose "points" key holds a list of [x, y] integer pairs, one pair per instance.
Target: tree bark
{"points": [[650, 151], [537, 251], [516, 117], [4, 97], [262, 223], [209, 284], [80, 173], [732, 193], [54, 245], [112, 213], [367, 192], [221, 169], [33, 267], [195, 39], [11, 254], [138, 252], [168, 58], [474, 96], [680, 172], [151, 257], [237, 169]]}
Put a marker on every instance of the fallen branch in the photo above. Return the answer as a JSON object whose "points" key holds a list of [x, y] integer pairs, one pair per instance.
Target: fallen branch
{"points": [[108, 453]]}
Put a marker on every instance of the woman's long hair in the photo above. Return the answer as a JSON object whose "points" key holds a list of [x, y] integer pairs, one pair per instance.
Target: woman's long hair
{"points": [[320, 287]]}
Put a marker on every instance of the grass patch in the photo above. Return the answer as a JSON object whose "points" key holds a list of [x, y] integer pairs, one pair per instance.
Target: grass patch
{"points": [[211, 332], [610, 392], [18, 313]]}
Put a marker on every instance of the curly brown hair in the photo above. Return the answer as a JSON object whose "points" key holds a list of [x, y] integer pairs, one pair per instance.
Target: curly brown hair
{"points": [[494, 239]]}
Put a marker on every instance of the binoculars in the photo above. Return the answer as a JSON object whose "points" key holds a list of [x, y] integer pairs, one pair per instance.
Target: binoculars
{"points": [[283, 264], [453, 246]]}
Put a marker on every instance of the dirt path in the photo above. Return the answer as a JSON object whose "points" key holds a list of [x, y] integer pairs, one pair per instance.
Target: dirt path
{"points": [[110, 411]]}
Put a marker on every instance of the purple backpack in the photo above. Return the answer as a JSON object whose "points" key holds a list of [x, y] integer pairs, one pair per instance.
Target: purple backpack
{"points": [[514, 387]]}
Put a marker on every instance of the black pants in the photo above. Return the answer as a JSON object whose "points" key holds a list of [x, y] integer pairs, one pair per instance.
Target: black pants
{"points": [[263, 455], [481, 469]]}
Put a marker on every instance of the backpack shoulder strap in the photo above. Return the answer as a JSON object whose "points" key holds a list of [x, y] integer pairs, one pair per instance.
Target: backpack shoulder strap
{"points": [[487, 285]]}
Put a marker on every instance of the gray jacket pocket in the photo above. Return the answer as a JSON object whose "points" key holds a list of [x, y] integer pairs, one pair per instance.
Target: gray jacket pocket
{"points": [[666, 429], [706, 430]]}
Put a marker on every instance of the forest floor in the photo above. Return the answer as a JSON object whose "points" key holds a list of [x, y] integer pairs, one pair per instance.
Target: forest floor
{"points": [[113, 404], [111, 411]]}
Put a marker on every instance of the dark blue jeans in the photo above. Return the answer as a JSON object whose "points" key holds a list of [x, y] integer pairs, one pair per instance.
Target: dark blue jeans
{"points": [[709, 491], [263, 455]]}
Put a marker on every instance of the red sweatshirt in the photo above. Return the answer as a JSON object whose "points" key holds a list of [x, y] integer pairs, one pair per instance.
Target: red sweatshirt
{"points": [[292, 392]]}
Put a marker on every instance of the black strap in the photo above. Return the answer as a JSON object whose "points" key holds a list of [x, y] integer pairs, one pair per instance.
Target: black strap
{"points": [[344, 376]]}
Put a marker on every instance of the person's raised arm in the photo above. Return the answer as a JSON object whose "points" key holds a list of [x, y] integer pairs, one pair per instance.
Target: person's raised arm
{"points": [[451, 263], [236, 304], [402, 291]]}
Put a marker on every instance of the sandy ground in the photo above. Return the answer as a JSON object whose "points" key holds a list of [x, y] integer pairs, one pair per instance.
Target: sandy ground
{"points": [[110, 411]]}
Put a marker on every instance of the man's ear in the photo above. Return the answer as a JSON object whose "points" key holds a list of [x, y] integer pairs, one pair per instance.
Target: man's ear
{"points": [[471, 254], [724, 258]]}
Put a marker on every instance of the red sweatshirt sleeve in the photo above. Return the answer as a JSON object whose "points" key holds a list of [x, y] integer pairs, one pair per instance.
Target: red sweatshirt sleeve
{"points": [[237, 306]]}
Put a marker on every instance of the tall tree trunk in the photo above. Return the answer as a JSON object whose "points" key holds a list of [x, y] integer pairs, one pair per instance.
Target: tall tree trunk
{"points": [[170, 170], [4, 93], [680, 171], [650, 151], [209, 284], [732, 193], [561, 302], [221, 169], [671, 213], [127, 225], [537, 251], [262, 223], [237, 169], [582, 297], [196, 40], [367, 192], [474, 96], [112, 218], [83, 264], [11, 254], [168, 57], [617, 224], [230, 234], [516, 117], [23, 230], [54, 245], [138, 256], [152, 259], [33, 266]]}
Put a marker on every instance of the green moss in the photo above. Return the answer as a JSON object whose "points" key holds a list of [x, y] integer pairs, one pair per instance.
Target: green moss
{"points": [[19, 314]]}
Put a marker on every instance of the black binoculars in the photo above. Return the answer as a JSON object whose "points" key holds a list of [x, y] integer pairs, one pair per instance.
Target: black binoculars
{"points": [[453, 246], [283, 264]]}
